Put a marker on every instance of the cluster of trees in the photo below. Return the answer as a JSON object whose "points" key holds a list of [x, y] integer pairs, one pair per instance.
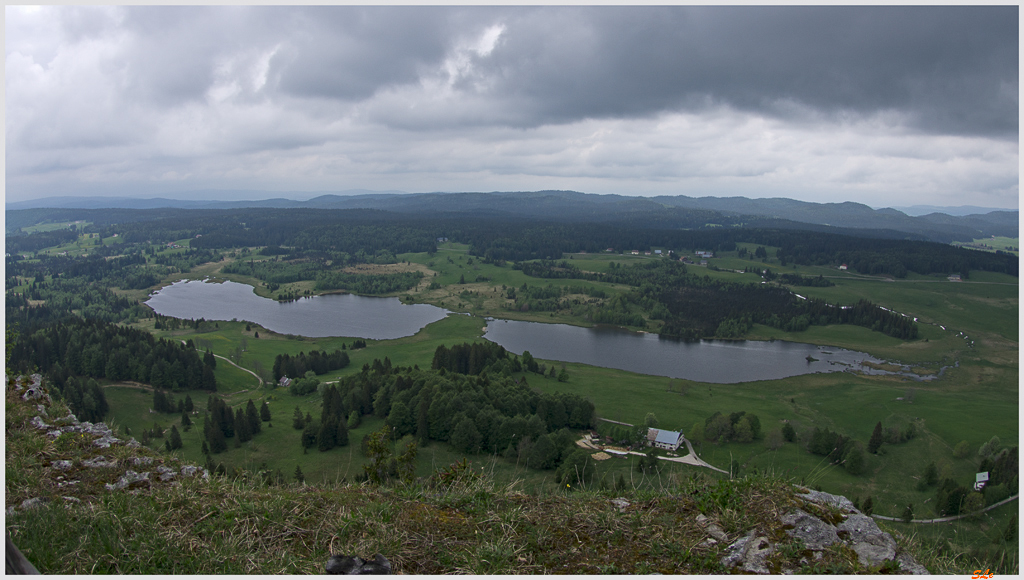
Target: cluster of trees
{"points": [[84, 397], [740, 427], [320, 362], [953, 498], [483, 412], [162, 322], [61, 298], [20, 244], [473, 359], [332, 429], [896, 430], [838, 450], [798, 280], [551, 298], [221, 424], [164, 404], [99, 349], [699, 309], [695, 307], [324, 269], [276, 272], [367, 283]]}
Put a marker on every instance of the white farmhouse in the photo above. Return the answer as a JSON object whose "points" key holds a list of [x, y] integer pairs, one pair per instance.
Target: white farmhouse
{"points": [[662, 439]]}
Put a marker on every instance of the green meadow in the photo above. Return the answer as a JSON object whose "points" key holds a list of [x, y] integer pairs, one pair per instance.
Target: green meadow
{"points": [[975, 398]]}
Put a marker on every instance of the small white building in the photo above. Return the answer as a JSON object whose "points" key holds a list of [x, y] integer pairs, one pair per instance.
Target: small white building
{"points": [[662, 439], [843, 267], [954, 277], [284, 382]]}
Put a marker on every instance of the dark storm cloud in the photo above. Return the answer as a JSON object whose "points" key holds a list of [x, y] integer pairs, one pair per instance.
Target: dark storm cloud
{"points": [[948, 69], [350, 53], [872, 102]]}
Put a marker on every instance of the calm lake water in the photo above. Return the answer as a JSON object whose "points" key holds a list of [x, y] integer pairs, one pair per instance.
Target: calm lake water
{"points": [[318, 316], [386, 318], [709, 361]]}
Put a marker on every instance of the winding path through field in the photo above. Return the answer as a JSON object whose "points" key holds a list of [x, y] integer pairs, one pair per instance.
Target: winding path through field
{"points": [[232, 363], [950, 518]]}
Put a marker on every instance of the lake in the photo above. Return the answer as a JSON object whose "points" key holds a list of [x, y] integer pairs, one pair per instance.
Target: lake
{"points": [[349, 315], [316, 316], [709, 361]]}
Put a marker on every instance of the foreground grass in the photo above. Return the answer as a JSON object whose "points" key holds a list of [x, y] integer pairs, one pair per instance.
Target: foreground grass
{"points": [[462, 522]]}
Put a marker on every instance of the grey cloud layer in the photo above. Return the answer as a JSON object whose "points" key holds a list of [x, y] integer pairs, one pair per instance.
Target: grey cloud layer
{"points": [[766, 96], [947, 69]]}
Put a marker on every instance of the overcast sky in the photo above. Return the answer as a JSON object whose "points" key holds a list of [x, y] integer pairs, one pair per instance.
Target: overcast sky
{"points": [[882, 105]]}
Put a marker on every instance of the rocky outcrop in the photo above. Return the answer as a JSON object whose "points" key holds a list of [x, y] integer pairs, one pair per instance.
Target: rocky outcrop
{"points": [[93, 436], [818, 522]]}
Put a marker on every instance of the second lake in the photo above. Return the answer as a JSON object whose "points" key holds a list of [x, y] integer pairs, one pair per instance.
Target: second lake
{"points": [[708, 361]]}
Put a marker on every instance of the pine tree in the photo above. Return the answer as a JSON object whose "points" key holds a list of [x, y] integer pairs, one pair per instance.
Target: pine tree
{"points": [[788, 433], [189, 407], [297, 421], [876, 439], [174, 440], [341, 437], [242, 427], [299, 476], [252, 416], [854, 460], [265, 412], [327, 436], [908, 514], [186, 422]]}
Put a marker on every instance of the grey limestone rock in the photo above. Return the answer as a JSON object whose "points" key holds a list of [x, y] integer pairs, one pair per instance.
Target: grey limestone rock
{"points": [[909, 564], [99, 461], [620, 503], [61, 464], [827, 499], [712, 529], [749, 554], [127, 479], [192, 470], [814, 533], [873, 546], [38, 423]]}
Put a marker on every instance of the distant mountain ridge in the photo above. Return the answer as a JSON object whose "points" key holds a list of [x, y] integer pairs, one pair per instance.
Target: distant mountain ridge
{"points": [[576, 206]]}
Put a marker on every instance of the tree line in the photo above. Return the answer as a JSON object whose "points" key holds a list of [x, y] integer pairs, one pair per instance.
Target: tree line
{"points": [[484, 412], [98, 349], [317, 361]]}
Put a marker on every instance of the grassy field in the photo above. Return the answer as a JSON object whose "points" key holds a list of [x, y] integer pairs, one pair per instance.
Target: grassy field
{"points": [[973, 401], [991, 244], [79, 224]]}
